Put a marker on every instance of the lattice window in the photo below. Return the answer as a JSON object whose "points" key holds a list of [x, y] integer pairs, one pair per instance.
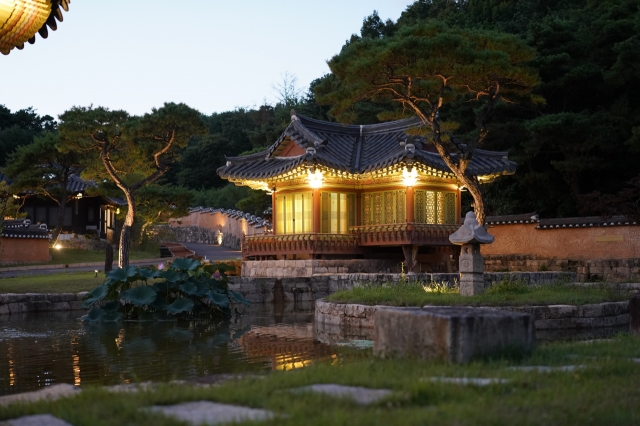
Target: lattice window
{"points": [[450, 201], [389, 207], [401, 216], [377, 208], [419, 210], [435, 207], [367, 209]]}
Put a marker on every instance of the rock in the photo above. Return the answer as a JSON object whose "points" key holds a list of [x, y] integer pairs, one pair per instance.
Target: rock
{"points": [[210, 413], [455, 334], [363, 396], [50, 393], [634, 314], [37, 420]]}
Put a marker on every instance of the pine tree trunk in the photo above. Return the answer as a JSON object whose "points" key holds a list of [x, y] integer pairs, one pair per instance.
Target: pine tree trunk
{"points": [[60, 221], [125, 235]]}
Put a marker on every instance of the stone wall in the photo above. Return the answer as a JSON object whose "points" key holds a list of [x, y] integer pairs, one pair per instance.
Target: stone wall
{"points": [[82, 243], [11, 303], [586, 270], [303, 289], [193, 234], [308, 268]]}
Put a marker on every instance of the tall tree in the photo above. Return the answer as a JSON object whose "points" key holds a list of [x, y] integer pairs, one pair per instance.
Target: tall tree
{"points": [[426, 68], [131, 151], [47, 170], [18, 128]]}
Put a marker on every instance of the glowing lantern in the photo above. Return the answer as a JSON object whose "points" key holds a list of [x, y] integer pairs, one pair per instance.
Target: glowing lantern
{"points": [[409, 177], [20, 20], [315, 179]]}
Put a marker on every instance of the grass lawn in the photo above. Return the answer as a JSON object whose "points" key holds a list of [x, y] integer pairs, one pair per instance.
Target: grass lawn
{"points": [[69, 282], [604, 391], [500, 294], [68, 256]]}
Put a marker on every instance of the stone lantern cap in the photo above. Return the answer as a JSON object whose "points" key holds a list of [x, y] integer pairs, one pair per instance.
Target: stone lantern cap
{"points": [[471, 232]]}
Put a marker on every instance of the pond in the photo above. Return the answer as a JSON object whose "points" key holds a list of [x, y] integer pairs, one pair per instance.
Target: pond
{"points": [[55, 347]]}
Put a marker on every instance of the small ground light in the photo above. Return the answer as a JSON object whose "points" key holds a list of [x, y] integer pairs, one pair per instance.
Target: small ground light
{"points": [[57, 246], [96, 271]]}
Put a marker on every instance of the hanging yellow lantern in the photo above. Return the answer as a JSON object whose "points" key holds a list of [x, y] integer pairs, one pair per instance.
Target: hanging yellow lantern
{"points": [[20, 20]]}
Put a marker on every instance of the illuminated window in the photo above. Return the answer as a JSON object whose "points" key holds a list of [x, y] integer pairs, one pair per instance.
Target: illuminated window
{"points": [[338, 212], [293, 213], [435, 207], [385, 207]]}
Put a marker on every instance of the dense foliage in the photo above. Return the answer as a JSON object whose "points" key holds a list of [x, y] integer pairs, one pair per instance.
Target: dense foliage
{"points": [[187, 289]]}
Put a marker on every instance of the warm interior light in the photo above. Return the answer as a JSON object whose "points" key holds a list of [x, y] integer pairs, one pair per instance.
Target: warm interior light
{"points": [[409, 177], [79, 195], [315, 179], [15, 196], [117, 211]]}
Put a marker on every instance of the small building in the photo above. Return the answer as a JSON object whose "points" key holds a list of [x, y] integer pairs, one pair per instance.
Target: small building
{"points": [[84, 214], [358, 192]]}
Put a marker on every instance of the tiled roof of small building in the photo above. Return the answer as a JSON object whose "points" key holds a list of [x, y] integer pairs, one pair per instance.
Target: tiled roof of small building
{"points": [[354, 149], [512, 219], [22, 228]]}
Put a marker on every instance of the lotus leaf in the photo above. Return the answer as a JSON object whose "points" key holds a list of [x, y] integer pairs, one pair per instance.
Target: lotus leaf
{"points": [[219, 299], [126, 274], [95, 295], [147, 274], [189, 288], [171, 275], [113, 317], [239, 298], [184, 263], [141, 295], [94, 315], [180, 305], [165, 286], [112, 307]]}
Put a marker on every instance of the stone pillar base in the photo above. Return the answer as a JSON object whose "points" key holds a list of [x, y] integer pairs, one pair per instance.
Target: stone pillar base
{"points": [[471, 283]]}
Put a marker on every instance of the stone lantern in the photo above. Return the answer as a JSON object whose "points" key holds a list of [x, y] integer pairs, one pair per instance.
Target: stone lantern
{"points": [[470, 236]]}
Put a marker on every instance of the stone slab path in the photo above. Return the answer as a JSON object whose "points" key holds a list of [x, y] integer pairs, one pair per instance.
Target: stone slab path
{"points": [[37, 420], [464, 381], [211, 413], [50, 393], [363, 396]]}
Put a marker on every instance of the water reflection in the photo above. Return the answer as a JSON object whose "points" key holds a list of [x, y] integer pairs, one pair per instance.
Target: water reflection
{"points": [[54, 347]]}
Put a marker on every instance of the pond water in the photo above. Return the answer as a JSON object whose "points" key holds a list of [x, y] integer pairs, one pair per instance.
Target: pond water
{"points": [[55, 347]]}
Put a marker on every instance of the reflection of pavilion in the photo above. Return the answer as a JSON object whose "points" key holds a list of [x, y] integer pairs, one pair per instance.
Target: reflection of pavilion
{"points": [[287, 346]]}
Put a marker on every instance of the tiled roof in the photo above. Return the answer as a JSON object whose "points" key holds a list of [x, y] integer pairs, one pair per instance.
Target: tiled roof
{"points": [[512, 219], [75, 184], [22, 228], [584, 222], [354, 149]]}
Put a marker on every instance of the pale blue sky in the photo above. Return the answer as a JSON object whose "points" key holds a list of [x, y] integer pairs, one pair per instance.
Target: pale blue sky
{"points": [[213, 55]]}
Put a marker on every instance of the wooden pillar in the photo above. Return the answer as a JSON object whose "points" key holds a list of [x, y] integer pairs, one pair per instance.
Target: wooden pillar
{"points": [[410, 206], [459, 219], [359, 208], [273, 212], [317, 211]]}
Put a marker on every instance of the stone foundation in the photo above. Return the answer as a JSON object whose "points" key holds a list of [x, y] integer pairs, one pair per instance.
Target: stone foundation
{"points": [[11, 303], [268, 290], [586, 270], [309, 268], [193, 234]]}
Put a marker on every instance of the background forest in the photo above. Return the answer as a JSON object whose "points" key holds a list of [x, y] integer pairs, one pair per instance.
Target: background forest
{"points": [[580, 144]]}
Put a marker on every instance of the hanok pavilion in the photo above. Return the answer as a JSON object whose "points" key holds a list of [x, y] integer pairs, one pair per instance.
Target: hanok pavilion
{"points": [[350, 191]]}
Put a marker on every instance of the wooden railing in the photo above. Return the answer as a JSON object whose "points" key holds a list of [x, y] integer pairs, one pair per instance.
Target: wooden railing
{"points": [[404, 234], [269, 245], [359, 236]]}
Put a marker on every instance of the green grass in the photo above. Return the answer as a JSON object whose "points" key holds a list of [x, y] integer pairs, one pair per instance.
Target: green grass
{"points": [[500, 294], [606, 391], [70, 282], [69, 256]]}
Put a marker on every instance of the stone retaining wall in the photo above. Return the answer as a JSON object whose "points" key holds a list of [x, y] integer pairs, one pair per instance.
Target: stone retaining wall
{"points": [[193, 234], [12, 303], [309, 268], [586, 270], [552, 317], [267, 290]]}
